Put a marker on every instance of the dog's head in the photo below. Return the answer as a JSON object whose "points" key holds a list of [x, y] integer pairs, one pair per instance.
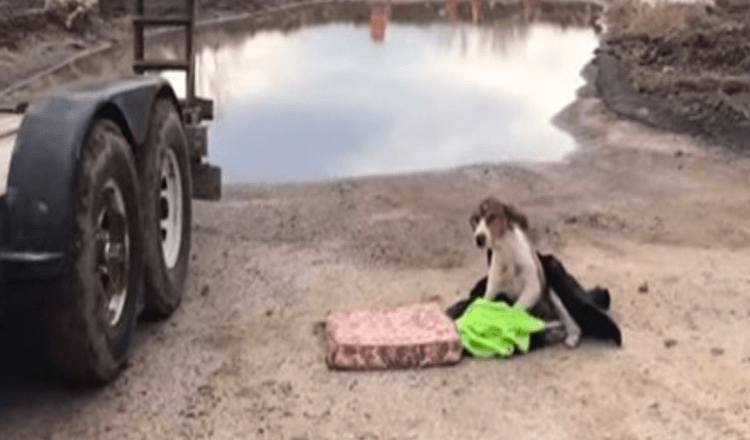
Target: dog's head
{"points": [[492, 220]]}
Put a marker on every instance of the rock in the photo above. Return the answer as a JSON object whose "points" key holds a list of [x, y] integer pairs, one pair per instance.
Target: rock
{"points": [[77, 20], [319, 328], [73, 14], [77, 45]]}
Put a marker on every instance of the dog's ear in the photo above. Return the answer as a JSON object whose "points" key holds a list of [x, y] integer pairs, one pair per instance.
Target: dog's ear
{"points": [[514, 215], [498, 225], [489, 204]]}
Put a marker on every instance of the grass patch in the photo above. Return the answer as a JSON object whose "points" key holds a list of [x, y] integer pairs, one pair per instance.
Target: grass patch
{"points": [[655, 19]]}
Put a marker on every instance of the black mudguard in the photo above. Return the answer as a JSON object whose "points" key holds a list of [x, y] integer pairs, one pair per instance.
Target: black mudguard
{"points": [[39, 207]]}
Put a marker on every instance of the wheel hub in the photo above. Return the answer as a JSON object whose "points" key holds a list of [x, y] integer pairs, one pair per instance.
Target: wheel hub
{"points": [[170, 208], [113, 251]]}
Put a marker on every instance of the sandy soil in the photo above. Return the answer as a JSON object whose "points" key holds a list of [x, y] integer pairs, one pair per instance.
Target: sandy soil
{"points": [[660, 219]]}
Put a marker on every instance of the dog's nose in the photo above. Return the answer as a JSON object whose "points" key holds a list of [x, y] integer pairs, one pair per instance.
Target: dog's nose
{"points": [[481, 240]]}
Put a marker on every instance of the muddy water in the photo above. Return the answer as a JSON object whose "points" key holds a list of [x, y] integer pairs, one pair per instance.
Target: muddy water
{"points": [[383, 95]]}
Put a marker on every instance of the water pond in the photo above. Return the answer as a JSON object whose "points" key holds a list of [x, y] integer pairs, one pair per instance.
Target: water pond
{"points": [[349, 89]]}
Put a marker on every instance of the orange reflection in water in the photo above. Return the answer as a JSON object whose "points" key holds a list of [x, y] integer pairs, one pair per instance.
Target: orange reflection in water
{"points": [[378, 21], [529, 10], [476, 10], [451, 9]]}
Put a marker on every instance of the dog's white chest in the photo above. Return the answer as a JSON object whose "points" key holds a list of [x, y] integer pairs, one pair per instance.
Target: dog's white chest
{"points": [[505, 276], [511, 266]]}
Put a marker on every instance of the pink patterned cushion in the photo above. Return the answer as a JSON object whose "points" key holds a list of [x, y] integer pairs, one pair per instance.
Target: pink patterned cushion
{"points": [[405, 337]]}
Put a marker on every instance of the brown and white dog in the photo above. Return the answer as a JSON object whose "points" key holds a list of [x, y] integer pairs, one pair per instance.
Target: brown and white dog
{"points": [[515, 269]]}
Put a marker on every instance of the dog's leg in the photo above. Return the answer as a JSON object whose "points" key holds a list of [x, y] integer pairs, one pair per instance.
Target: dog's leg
{"points": [[572, 330], [554, 332], [493, 286], [532, 286], [530, 270]]}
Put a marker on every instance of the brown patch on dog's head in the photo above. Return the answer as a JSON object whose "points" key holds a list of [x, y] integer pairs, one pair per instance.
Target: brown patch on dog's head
{"points": [[498, 216]]}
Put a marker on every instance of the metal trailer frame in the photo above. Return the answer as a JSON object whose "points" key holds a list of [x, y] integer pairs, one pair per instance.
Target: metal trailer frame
{"points": [[206, 178]]}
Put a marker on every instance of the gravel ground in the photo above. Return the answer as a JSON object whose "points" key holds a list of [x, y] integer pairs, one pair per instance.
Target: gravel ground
{"points": [[656, 218], [660, 219]]}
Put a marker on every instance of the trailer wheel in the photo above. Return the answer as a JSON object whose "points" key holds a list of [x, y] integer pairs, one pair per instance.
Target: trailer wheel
{"points": [[165, 177], [92, 325]]}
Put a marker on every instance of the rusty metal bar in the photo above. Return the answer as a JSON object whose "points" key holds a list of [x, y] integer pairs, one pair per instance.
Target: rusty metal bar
{"points": [[195, 109], [204, 108], [138, 30], [145, 65], [162, 21], [190, 52], [206, 181]]}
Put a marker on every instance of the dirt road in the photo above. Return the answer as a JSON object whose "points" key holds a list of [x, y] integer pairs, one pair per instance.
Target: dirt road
{"points": [[660, 220]]}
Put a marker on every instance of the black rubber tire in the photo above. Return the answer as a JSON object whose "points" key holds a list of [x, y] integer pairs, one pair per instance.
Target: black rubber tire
{"points": [[83, 344], [164, 285]]}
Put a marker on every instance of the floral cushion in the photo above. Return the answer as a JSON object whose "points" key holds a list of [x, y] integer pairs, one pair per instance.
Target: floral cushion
{"points": [[404, 337]]}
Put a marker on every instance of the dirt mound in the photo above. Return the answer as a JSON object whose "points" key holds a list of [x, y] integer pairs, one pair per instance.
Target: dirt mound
{"points": [[16, 24], [34, 40]]}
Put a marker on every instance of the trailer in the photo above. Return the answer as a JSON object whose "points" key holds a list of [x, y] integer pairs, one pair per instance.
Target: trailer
{"points": [[96, 189]]}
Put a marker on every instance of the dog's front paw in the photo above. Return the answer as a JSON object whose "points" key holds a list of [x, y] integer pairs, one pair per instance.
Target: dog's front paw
{"points": [[573, 339]]}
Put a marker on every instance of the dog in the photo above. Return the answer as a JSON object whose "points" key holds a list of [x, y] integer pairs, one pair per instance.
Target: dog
{"points": [[515, 270]]}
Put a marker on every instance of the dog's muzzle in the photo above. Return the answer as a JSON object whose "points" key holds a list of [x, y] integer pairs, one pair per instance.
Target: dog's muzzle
{"points": [[481, 240]]}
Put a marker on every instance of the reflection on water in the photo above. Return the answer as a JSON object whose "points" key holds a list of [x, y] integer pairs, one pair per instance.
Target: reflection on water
{"points": [[378, 21], [342, 99]]}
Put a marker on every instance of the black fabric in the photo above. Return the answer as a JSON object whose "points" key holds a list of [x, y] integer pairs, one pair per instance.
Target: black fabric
{"points": [[600, 297], [585, 307], [456, 310]]}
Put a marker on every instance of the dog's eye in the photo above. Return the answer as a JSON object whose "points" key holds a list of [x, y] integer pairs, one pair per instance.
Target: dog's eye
{"points": [[474, 220], [491, 218]]}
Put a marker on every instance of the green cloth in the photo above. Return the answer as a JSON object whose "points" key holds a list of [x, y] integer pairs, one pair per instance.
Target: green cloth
{"points": [[491, 329]]}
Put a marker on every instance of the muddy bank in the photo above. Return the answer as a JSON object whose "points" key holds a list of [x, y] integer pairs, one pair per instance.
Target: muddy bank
{"points": [[706, 116], [690, 80]]}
